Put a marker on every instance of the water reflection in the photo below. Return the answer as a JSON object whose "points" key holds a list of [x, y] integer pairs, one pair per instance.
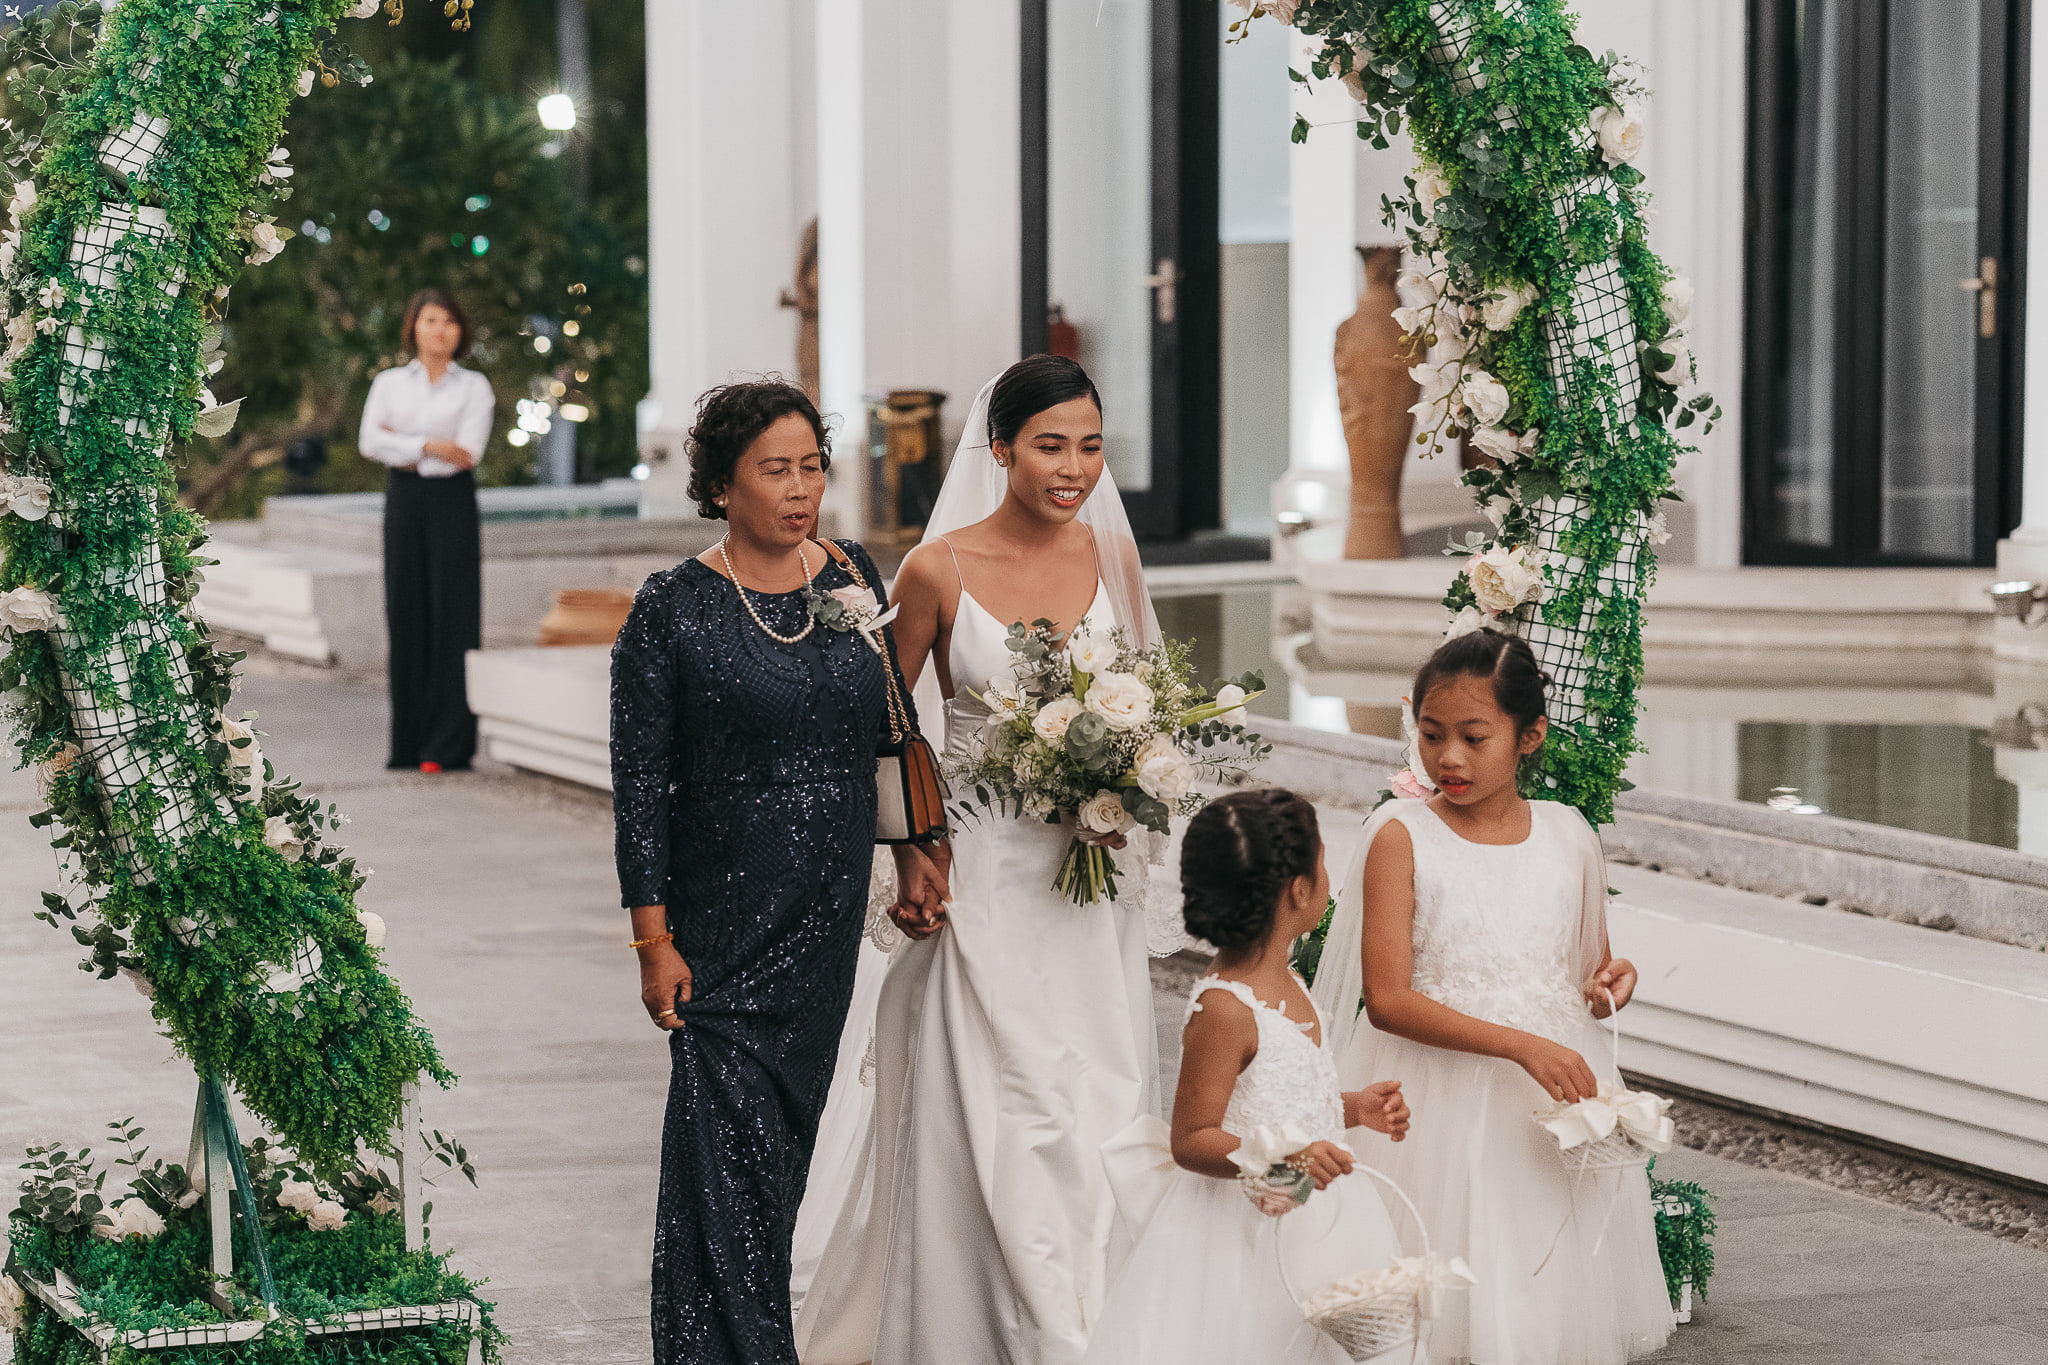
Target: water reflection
{"points": [[1917, 758]]}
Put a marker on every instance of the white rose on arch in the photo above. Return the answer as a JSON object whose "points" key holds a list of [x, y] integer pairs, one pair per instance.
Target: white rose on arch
{"points": [[1485, 397], [373, 927], [1501, 444], [265, 241], [26, 497], [23, 201], [1620, 131], [1503, 579], [1678, 300], [1121, 700], [279, 834], [25, 609], [326, 1216], [1674, 365], [1430, 187], [1500, 312]]}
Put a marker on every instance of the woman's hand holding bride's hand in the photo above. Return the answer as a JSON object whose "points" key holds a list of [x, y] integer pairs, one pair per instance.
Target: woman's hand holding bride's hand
{"points": [[922, 889], [664, 984], [1378, 1107]]}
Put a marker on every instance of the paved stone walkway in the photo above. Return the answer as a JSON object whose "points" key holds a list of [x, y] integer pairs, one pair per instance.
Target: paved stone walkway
{"points": [[499, 894]]}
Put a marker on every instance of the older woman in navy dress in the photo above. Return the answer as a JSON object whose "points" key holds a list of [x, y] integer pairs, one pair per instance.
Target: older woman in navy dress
{"points": [[743, 771]]}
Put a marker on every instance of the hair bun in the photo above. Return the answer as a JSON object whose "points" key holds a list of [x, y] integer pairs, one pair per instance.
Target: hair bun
{"points": [[1240, 854]]}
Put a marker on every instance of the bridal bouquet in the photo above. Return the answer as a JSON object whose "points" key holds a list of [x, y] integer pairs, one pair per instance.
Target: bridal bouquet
{"points": [[1108, 734]]}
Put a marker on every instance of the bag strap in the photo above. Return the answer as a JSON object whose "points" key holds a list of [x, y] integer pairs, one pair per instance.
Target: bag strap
{"points": [[899, 718]]}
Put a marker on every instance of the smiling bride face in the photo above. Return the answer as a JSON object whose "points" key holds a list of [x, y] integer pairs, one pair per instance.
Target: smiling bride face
{"points": [[1056, 460]]}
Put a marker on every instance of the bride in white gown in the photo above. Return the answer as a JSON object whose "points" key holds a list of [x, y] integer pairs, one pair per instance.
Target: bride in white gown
{"points": [[1014, 1034]]}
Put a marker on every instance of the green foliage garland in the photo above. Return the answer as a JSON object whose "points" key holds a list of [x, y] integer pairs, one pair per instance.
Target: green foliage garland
{"points": [[194, 868], [1547, 335], [1684, 1241]]}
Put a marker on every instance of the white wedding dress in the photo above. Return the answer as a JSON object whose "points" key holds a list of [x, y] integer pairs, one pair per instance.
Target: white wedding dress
{"points": [[976, 1222]]}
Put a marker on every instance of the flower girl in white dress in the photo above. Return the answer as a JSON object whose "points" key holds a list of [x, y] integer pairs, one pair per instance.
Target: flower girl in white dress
{"points": [[1202, 1283], [1476, 932]]}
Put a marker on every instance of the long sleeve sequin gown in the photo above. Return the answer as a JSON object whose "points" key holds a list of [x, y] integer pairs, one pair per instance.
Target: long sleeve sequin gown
{"points": [[743, 774]]}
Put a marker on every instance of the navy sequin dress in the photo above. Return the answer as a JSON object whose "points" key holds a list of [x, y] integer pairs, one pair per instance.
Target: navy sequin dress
{"points": [[743, 775]]}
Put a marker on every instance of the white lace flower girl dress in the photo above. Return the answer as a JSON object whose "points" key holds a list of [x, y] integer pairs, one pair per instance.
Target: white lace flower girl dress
{"points": [[1566, 1264], [1202, 1283]]}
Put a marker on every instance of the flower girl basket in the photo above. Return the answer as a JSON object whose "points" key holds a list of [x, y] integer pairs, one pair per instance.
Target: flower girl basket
{"points": [[1374, 1312], [1610, 1132]]}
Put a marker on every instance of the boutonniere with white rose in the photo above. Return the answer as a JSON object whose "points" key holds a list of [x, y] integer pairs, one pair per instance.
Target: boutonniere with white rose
{"points": [[1093, 730], [849, 609]]}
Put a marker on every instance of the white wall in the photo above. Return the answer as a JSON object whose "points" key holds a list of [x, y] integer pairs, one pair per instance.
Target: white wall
{"points": [[1695, 57]]}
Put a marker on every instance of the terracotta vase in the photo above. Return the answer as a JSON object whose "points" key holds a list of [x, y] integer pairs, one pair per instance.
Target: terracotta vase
{"points": [[1374, 393], [585, 616]]}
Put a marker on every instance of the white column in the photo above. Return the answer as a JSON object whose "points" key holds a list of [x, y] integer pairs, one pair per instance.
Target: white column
{"points": [[724, 221], [842, 252], [2025, 553], [1322, 290]]}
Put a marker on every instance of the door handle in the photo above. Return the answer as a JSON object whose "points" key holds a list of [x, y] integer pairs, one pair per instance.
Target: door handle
{"points": [[1985, 287], [1164, 283]]}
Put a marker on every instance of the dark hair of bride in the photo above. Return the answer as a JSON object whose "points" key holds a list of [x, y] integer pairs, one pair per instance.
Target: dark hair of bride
{"points": [[1520, 687], [1240, 854], [1029, 387]]}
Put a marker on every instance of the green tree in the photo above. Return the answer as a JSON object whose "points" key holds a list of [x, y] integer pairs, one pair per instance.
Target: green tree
{"points": [[424, 179]]}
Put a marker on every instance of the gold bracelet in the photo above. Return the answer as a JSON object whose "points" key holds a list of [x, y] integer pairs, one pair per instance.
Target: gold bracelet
{"points": [[650, 942]]}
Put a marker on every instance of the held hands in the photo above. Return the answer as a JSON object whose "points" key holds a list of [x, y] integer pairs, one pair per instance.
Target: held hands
{"points": [[1617, 979], [922, 889], [664, 984], [1561, 1072], [1324, 1162], [1378, 1107]]}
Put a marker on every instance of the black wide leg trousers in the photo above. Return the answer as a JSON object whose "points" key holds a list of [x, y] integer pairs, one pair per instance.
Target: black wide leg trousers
{"points": [[433, 606]]}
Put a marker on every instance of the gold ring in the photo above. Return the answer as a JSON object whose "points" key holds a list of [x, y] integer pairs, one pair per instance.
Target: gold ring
{"points": [[666, 1014]]}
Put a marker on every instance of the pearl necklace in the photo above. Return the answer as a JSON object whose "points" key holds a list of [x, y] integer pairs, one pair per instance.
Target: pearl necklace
{"points": [[748, 602]]}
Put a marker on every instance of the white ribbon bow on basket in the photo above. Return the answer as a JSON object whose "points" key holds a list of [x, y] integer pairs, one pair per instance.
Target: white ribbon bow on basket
{"points": [[1612, 1130]]}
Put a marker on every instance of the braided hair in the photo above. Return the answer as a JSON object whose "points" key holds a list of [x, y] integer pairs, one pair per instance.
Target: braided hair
{"points": [[1240, 854], [1520, 687]]}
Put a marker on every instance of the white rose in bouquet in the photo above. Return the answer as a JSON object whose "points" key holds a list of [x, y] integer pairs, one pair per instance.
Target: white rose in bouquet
{"points": [[1678, 296], [1500, 312], [326, 1216], [1621, 133], [1104, 813], [26, 609], [1163, 771], [1090, 653], [1037, 805], [1503, 579], [278, 833], [1054, 718], [1121, 700], [1486, 398], [1006, 701], [1230, 697]]}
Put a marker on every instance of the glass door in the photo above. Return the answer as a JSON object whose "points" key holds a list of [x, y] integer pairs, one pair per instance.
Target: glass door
{"points": [[1120, 247], [1880, 427]]}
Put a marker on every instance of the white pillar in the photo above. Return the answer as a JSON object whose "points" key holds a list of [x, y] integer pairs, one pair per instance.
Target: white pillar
{"points": [[725, 222], [2025, 553], [842, 252], [1322, 290]]}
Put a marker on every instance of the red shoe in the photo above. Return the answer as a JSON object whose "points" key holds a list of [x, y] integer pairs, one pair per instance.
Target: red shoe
{"points": [[430, 768]]}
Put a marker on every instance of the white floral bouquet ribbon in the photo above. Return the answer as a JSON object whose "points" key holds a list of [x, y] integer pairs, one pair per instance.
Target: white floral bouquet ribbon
{"points": [[1274, 1187], [1644, 1117]]}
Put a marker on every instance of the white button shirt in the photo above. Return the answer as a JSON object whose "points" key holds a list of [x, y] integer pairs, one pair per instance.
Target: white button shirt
{"points": [[405, 410]]}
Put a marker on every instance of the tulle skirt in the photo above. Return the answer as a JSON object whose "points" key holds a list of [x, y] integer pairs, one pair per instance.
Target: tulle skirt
{"points": [[1566, 1264], [1201, 1284]]}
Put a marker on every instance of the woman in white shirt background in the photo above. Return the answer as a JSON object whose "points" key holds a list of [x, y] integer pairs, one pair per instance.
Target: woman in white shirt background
{"points": [[429, 420]]}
